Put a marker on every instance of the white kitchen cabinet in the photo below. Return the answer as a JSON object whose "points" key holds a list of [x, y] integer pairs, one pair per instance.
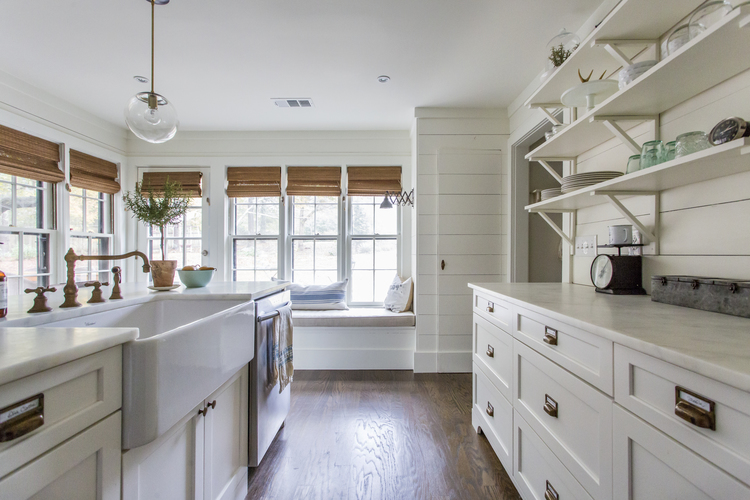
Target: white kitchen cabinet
{"points": [[202, 457]]}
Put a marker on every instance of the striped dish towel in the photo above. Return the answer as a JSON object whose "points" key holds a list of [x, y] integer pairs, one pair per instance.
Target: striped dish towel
{"points": [[282, 351]]}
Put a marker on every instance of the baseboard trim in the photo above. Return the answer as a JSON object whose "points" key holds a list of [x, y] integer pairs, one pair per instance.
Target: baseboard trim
{"points": [[353, 359], [442, 362]]}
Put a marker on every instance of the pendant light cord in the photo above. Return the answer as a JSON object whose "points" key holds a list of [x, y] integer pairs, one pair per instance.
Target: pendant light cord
{"points": [[153, 4]]}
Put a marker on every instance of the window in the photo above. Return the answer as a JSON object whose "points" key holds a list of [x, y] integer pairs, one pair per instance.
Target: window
{"points": [[24, 254], [255, 246], [184, 240], [314, 238], [90, 232], [373, 249]]}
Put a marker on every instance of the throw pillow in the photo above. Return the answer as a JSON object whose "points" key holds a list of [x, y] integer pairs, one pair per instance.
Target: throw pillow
{"points": [[399, 296], [318, 297]]}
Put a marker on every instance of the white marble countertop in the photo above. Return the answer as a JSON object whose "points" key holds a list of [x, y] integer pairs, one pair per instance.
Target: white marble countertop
{"points": [[25, 351], [133, 293], [712, 344]]}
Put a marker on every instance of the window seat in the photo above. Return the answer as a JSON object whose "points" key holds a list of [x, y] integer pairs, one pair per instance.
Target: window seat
{"points": [[356, 317]]}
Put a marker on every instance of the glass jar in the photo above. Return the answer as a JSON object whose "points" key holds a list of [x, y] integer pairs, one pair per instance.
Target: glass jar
{"points": [[669, 150], [679, 37], [690, 143], [707, 15], [569, 42], [634, 164], [652, 154]]}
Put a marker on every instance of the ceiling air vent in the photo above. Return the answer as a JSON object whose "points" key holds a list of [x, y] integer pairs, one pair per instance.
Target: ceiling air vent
{"points": [[293, 103]]}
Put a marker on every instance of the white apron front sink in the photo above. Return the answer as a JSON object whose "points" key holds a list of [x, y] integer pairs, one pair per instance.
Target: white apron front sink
{"points": [[185, 350]]}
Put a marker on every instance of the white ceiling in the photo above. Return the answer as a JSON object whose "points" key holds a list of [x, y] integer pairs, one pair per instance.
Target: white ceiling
{"points": [[220, 62]]}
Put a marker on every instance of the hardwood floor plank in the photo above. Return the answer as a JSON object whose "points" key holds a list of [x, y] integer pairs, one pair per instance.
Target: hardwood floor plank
{"points": [[380, 435]]}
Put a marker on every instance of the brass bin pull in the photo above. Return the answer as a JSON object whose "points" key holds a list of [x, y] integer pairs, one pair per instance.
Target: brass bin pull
{"points": [[550, 335], [490, 307], [694, 409], [490, 351], [490, 409], [550, 493], [550, 406]]}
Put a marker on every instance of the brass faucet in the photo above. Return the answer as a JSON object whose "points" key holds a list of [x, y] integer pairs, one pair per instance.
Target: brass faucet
{"points": [[71, 290]]}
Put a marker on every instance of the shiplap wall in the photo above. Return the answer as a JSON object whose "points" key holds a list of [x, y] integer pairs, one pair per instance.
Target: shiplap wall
{"points": [[469, 219]]}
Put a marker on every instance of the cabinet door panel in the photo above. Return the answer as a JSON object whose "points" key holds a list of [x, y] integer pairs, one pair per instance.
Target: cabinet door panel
{"points": [[493, 354], [494, 414]]}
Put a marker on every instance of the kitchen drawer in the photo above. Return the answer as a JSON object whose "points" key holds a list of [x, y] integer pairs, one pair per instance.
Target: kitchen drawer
{"points": [[580, 352], [496, 311], [494, 414], [86, 466], [76, 395], [536, 469], [580, 432], [648, 387], [650, 465], [493, 353]]}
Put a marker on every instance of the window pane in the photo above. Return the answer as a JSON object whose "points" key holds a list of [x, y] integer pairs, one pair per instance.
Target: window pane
{"points": [[193, 225], [100, 246], [268, 219], [304, 219], [154, 250], [326, 255], [74, 191], [27, 205], [76, 213], [327, 219], [80, 245], [192, 252], [270, 200], [174, 252], [244, 219], [6, 202], [265, 275], [386, 221], [383, 280], [9, 259], [303, 277], [93, 219], [325, 277], [362, 254], [362, 217], [386, 256], [244, 254], [327, 199], [30, 254], [302, 254], [175, 230], [362, 286], [266, 252], [244, 276]]}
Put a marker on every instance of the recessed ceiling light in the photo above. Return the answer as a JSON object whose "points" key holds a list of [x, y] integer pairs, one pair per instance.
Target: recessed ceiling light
{"points": [[384, 78], [140, 79]]}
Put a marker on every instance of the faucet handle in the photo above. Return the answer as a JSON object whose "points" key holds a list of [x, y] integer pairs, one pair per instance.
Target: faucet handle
{"points": [[96, 284], [96, 294], [40, 290], [40, 301]]}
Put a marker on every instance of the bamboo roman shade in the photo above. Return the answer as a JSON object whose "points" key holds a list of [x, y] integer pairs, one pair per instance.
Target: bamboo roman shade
{"points": [[90, 172], [373, 181], [190, 181], [253, 181], [27, 156], [313, 181]]}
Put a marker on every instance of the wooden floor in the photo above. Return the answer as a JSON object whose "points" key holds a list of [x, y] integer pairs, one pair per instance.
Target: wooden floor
{"points": [[380, 435]]}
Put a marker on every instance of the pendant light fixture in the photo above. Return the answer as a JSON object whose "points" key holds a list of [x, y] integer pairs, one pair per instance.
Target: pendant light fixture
{"points": [[149, 115]]}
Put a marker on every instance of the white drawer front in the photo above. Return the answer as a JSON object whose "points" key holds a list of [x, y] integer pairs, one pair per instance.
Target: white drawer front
{"points": [[493, 352], [496, 412], [582, 353], [650, 465], [536, 469], [580, 433], [76, 395], [647, 387], [496, 311]]}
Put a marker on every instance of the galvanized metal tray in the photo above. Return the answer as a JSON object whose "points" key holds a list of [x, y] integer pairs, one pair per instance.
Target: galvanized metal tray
{"points": [[719, 295]]}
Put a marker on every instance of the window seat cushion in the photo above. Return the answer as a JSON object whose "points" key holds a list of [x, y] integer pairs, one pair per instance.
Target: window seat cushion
{"points": [[353, 318]]}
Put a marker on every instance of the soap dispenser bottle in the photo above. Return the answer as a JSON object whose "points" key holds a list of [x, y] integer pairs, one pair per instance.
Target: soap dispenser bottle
{"points": [[3, 295]]}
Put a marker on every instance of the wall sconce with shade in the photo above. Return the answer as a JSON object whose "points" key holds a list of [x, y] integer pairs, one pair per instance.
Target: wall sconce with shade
{"points": [[149, 115], [393, 198]]}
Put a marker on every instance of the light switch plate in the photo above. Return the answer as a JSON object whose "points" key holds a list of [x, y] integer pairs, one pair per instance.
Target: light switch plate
{"points": [[586, 246]]}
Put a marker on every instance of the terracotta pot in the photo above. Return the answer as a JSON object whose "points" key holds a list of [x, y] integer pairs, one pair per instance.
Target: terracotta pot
{"points": [[162, 272]]}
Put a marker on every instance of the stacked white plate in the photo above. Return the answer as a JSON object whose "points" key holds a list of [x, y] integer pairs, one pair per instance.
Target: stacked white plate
{"points": [[580, 181], [631, 73], [550, 193]]}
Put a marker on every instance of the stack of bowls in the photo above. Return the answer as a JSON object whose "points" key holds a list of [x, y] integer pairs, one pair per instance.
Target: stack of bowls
{"points": [[550, 193], [631, 73], [580, 181]]}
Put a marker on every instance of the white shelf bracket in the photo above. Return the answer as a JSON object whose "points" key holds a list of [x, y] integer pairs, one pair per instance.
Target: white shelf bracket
{"points": [[651, 236], [549, 115], [612, 47], [555, 227], [550, 170], [611, 123], [619, 55]]}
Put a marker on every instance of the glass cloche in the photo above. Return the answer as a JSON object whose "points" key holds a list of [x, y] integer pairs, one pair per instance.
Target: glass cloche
{"points": [[558, 49]]}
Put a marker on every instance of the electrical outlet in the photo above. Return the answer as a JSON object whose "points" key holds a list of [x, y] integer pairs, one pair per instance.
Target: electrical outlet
{"points": [[586, 246]]}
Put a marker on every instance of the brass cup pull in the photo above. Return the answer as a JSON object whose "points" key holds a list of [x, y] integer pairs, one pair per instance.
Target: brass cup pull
{"points": [[490, 409], [212, 404], [550, 406], [550, 493], [550, 336], [490, 351]]}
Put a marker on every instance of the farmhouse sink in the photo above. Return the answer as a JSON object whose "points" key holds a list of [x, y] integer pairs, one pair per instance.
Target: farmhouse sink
{"points": [[185, 350]]}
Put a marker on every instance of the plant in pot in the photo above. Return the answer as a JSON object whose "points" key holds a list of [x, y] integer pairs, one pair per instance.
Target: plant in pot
{"points": [[159, 208]]}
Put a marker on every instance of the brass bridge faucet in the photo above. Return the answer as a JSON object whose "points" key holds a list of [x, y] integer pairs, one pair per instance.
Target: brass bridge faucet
{"points": [[71, 290]]}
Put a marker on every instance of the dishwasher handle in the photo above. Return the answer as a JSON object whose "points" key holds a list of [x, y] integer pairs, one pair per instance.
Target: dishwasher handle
{"points": [[271, 314]]}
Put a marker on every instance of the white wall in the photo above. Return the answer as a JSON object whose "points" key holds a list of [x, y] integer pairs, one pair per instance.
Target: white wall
{"points": [[447, 347]]}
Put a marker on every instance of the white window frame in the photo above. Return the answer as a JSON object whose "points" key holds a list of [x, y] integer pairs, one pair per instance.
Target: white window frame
{"points": [[291, 238], [258, 236], [48, 216], [108, 218], [350, 237]]}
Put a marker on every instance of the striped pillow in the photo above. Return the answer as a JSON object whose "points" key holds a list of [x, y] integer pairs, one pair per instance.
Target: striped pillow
{"points": [[319, 297]]}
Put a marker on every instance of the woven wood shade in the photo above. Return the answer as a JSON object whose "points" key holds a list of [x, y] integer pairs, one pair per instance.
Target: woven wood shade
{"points": [[27, 156], [373, 181], [190, 181], [90, 172], [253, 181], [313, 181]]}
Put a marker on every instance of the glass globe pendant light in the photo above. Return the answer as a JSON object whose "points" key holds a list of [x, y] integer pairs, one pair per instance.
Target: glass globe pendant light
{"points": [[149, 115]]}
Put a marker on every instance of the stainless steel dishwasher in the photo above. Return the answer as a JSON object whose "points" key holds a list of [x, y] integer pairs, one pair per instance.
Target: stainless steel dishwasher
{"points": [[268, 408]]}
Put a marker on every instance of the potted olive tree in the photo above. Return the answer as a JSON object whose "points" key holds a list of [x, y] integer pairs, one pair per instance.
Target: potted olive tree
{"points": [[159, 210]]}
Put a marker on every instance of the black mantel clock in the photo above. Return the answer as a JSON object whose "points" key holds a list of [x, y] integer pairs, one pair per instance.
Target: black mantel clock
{"points": [[617, 274]]}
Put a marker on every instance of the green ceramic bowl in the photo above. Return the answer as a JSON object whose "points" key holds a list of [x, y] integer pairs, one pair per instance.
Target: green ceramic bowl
{"points": [[196, 279]]}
